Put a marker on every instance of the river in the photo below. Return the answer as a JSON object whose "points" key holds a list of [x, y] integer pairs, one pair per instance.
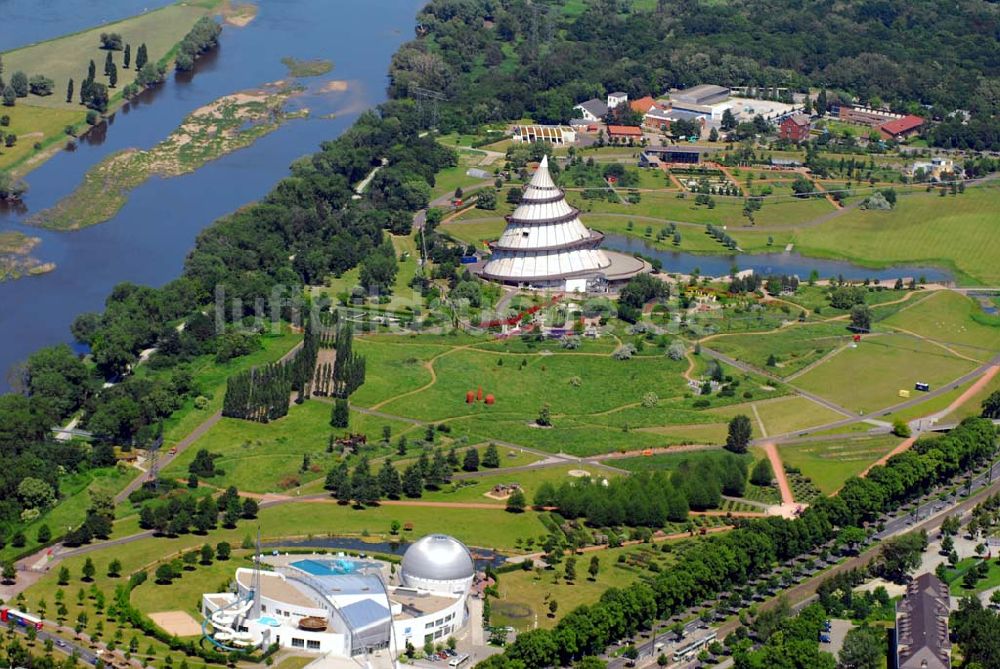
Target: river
{"points": [[147, 241]]}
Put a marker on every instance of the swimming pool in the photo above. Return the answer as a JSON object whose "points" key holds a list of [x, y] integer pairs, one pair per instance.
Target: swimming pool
{"points": [[326, 567], [268, 620]]}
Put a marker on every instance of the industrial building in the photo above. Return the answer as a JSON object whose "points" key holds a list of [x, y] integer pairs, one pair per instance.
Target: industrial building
{"points": [[707, 99], [343, 606], [546, 245]]}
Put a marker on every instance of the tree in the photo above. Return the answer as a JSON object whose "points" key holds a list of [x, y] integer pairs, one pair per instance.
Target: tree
{"points": [[88, 570], [9, 572], [109, 62], [739, 434], [341, 413], [127, 56], [69, 90], [864, 648], [491, 458], [861, 318], [35, 493], [901, 554], [486, 199], [762, 474], [64, 576], [141, 57], [594, 568], [569, 569], [413, 482], [9, 96], [164, 574], [19, 82], [991, 405], [206, 554], [40, 85], [113, 76], [516, 502], [114, 568], [223, 550], [44, 535], [470, 462], [553, 607], [544, 417], [111, 41]]}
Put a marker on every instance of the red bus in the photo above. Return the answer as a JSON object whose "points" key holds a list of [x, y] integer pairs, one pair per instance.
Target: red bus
{"points": [[19, 618]]}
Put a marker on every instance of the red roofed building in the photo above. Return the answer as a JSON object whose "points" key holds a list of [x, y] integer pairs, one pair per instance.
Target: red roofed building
{"points": [[901, 128], [642, 105], [624, 132], [795, 128]]}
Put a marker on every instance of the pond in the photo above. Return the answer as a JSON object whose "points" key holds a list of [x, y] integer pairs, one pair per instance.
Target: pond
{"points": [[147, 241], [764, 263]]}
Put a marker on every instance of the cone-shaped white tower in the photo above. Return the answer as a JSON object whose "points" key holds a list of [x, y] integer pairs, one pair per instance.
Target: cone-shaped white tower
{"points": [[545, 241]]}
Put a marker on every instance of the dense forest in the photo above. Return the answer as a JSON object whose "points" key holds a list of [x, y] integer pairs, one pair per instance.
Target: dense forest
{"points": [[506, 59]]}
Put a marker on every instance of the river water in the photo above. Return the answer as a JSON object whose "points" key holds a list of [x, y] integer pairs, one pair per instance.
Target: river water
{"points": [[149, 238], [765, 263]]}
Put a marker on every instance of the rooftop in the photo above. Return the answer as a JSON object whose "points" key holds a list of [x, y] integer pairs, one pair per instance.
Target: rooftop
{"points": [[594, 106], [900, 125], [799, 119], [273, 586], [642, 105], [627, 130], [922, 624]]}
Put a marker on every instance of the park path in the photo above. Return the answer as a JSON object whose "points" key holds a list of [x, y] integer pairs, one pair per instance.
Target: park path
{"points": [[779, 473]]}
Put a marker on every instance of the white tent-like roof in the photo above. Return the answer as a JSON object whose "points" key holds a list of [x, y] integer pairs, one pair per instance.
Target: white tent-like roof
{"points": [[545, 240]]}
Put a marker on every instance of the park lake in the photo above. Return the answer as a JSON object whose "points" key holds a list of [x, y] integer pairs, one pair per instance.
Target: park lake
{"points": [[147, 241]]}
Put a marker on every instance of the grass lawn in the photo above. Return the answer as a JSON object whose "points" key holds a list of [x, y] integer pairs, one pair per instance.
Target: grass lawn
{"points": [[267, 457], [184, 594], [474, 490], [974, 407], [450, 178], [794, 347], [952, 231], [830, 463], [955, 575], [67, 57], [403, 295], [782, 415], [475, 233], [525, 595], [869, 377], [946, 317], [35, 124]]}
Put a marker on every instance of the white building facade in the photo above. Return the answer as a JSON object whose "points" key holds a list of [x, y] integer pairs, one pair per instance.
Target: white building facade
{"points": [[347, 607]]}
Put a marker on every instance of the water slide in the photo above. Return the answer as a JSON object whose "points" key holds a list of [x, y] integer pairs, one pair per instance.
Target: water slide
{"points": [[224, 621]]}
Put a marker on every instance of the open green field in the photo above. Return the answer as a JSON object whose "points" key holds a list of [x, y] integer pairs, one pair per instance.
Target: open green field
{"points": [[947, 317], [267, 457], [67, 57], [974, 406], [952, 231], [868, 378], [403, 296], [475, 489], [793, 347], [830, 463], [475, 233], [955, 575], [34, 124], [781, 415], [525, 595]]}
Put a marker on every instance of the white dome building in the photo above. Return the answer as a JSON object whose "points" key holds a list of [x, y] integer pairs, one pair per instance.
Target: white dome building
{"points": [[438, 563], [546, 245]]}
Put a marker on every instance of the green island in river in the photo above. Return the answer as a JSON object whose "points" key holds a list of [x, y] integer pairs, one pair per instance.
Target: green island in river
{"points": [[232, 122]]}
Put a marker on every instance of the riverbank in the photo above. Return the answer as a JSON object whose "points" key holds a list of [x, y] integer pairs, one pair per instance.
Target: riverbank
{"points": [[46, 123], [230, 123], [16, 259]]}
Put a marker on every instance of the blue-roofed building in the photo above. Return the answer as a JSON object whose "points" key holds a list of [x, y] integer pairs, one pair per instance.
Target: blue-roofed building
{"points": [[346, 606]]}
